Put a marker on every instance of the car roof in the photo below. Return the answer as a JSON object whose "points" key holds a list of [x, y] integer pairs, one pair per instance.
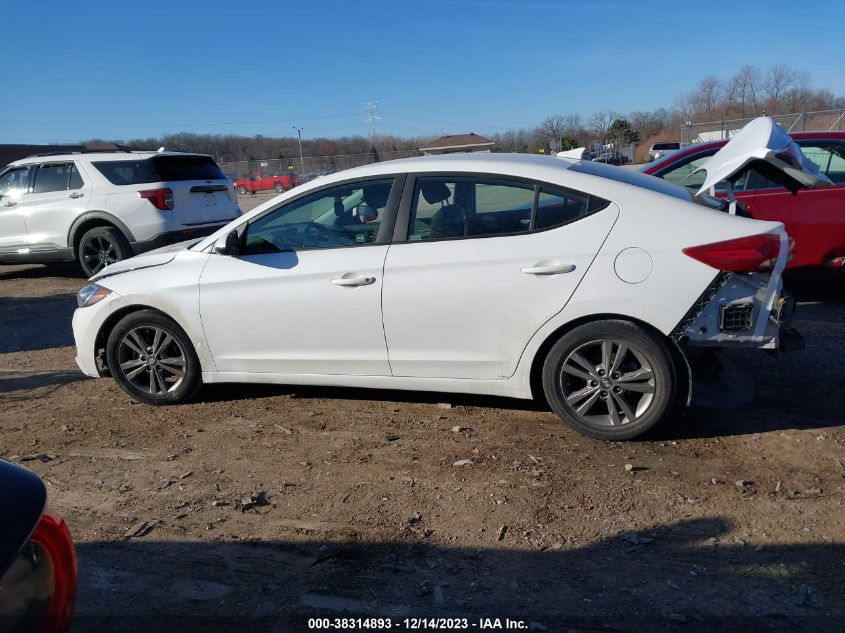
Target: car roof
{"points": [[98, 156], [466, 162]]}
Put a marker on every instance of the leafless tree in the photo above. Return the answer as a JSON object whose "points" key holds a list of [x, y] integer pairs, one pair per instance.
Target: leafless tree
{"points": [[599, 123], [778, 81]]}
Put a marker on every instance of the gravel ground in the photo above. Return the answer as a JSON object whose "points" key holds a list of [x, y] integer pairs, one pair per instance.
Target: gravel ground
{"points": [[272, 505]]}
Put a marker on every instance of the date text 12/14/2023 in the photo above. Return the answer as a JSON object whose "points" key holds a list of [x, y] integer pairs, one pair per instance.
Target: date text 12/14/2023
{"points": [[422, 624]]}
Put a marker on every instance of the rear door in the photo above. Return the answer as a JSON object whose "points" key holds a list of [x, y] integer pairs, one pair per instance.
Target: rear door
{"points": [[478, 265], [59, 195], [201, 192]]}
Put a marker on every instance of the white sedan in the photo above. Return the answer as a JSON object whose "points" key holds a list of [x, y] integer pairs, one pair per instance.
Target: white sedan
{"points": [[502, 274]]}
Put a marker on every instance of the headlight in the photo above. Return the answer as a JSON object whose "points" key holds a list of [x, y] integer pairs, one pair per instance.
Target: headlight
{"points": [[91, 294]]}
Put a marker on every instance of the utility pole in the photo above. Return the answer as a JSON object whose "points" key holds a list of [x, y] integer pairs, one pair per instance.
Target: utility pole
{"points": [[372, 120], [301, 160]]}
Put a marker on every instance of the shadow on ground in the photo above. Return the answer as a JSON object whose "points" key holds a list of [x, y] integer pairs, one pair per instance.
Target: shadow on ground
{"points": [[677, 577], [34, 323], [37, 271], [36, 384], [783, 389]]}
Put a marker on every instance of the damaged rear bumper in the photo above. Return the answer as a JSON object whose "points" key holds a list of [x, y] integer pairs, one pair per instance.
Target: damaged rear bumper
{"points": [[741, 310]]}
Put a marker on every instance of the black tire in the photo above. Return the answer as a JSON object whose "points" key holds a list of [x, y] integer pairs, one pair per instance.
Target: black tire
{"points": [[174, 356], [584, 392], [242, 190], [101, 246], [279, 187]]}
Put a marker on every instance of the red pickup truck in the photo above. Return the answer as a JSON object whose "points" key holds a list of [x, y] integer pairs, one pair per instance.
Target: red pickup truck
{"points": [[264, 182]]}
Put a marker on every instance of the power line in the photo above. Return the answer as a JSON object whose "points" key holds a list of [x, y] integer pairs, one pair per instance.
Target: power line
{"points": [[53, 123]]}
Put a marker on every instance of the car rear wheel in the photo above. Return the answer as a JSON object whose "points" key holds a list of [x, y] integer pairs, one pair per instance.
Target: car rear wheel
{"points": [[279, 187], [152, 359], [101, 246], [610, 380], [242, 190]]}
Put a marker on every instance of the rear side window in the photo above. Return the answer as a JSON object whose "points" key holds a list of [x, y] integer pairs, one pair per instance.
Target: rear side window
{"points": [[456, 207], [159, 169], [170, 168], [557, 206], [56, 177], [75, 178]]}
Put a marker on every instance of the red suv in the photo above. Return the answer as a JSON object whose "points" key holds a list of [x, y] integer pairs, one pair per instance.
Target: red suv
{"points": [[814, 218]]}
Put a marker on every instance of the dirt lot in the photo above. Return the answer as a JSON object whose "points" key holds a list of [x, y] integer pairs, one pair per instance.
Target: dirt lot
{"points": [[273, 505]]}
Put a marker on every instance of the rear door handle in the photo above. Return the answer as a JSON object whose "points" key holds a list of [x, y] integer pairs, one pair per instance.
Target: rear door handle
{"points": [[551, 269], [76, 195], [353, 281]]}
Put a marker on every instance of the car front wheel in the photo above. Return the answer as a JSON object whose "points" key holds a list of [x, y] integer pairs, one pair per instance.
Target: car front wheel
{"points": [[241, 190], [610, 380], [278, 187], [152, 359]]}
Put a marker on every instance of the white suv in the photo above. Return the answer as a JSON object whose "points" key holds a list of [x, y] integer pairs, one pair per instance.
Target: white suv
{"points": [[101, 207]]}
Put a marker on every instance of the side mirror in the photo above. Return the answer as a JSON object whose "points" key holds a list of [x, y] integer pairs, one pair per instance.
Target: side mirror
{"points": [[232, 245]]}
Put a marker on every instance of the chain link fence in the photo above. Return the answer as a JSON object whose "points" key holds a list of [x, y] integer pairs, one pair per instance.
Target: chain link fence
{"points": [[310, 167], [796, 122]]}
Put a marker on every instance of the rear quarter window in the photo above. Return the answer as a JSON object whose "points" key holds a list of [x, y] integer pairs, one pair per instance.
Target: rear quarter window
{"points": [[170, 168], [126, 172]]}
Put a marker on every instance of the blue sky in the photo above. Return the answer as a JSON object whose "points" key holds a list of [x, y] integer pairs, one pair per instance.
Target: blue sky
{"points": [[78, 70]]}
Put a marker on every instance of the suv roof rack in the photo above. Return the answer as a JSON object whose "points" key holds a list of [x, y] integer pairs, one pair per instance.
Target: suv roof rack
{"points": [[82, 151]]}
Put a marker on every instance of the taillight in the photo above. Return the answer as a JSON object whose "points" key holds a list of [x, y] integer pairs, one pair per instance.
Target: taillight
{"points": [[38, 591], [160, 198], [743, 254]]}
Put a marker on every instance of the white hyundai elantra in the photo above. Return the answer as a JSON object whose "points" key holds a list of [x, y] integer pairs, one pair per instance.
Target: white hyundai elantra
{"points": [[513, 275]]}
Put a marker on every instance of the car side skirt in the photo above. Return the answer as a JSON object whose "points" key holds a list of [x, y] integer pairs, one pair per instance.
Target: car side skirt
{"points": [[494, 387]]}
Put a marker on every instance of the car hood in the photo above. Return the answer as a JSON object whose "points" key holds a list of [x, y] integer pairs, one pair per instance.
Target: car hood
{"points": [[158, 257], [766, 147]]}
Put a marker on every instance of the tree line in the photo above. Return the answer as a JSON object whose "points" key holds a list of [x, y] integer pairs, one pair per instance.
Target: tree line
{"points": [[750, 92]]}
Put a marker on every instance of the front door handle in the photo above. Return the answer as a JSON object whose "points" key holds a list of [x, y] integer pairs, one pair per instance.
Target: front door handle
{"points": [[76, 195], [550, 269], [354, 281]]}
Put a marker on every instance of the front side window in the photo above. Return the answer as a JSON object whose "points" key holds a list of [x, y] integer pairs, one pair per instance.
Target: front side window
{"points": [[830, 157], [347, 215], [53, 177], [14, 181], [446, 207]]}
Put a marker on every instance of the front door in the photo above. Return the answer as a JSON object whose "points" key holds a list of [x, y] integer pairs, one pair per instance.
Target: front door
{"points": [[304, 297], [814, 218], [481, 271], [14, 245]]}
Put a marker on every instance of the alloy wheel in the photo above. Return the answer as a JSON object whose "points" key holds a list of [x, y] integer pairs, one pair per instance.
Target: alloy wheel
{"points": [[152, 360], [607, 382], [98, 252]]}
